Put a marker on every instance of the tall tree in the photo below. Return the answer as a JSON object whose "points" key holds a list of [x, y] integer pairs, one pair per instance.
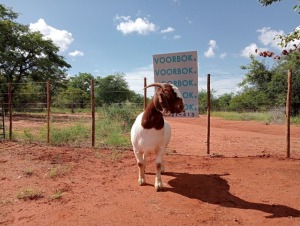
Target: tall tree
{"points": [[258, 75], [26, 55], [112, 89]]}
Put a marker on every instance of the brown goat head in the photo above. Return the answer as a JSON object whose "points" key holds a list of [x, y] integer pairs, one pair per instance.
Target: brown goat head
{"points": [[167, 98]]}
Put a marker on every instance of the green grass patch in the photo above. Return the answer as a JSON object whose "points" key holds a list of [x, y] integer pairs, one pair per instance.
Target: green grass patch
{"points": [[73, 134], [269, 117], [295, 120]]}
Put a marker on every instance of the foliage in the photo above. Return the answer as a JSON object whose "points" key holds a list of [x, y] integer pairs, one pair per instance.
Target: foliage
{"points": [[286, 40], [274, 116], [74, 134], [114, 124], [114, 89], [26, 55], [111, 89]]}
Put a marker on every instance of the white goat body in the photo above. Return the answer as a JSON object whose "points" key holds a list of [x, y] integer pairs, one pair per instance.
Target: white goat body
{"points": [[151, 133], [149, 140]]}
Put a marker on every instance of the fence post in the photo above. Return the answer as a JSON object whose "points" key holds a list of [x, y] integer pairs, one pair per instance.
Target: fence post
{"points": [[10, 111], [145, 93], [48, 111], [288, 114], [93, 111], [208, 114]]}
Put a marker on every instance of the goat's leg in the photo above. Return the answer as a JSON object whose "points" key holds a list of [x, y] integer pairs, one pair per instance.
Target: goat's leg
{"points": [[141, 164], [162, 170], [158, 182]]}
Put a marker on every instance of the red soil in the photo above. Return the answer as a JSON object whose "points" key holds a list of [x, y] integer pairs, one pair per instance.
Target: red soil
{"points": [[245, 181]]}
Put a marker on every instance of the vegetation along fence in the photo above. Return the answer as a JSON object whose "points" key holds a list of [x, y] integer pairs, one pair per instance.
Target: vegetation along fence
{"points": [[44, 112]]}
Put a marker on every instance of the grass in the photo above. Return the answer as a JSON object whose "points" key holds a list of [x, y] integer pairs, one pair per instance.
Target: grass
{"points": [[112, 128], [113, 125], [73, 134], [29, 194], [57, 194], [59, 171], [295, 120], [270, 117]]}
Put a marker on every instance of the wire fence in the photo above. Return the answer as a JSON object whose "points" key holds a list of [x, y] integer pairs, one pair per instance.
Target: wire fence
{"points": [[33, 113], [36, 114]]}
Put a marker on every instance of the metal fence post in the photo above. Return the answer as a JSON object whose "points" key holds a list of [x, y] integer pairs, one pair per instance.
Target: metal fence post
{"points": [[48, 111], [93, 111], [208, 114], [288, 114], [145, 93]]}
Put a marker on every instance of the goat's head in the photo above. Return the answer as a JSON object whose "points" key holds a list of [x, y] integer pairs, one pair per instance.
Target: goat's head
{"points": [[167, 98]]}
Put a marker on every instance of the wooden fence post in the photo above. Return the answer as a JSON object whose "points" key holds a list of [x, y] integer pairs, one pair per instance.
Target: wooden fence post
{"points": [[10, 110], [208, 114], [48, 111], [93, 111], [288, 114], [145, 93]]}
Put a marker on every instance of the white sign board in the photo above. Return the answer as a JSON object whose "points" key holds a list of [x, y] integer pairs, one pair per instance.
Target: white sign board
{"points": [[180, 69]]}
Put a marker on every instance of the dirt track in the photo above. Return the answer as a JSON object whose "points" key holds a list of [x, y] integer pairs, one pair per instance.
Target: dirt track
{"points": [[84, 186]]}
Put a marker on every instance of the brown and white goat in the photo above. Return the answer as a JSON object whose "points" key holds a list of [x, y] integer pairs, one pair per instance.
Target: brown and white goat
{"points": [[151, 132]]}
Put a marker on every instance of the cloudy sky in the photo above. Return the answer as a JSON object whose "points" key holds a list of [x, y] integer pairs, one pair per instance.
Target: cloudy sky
{"points": [[108, 36]]}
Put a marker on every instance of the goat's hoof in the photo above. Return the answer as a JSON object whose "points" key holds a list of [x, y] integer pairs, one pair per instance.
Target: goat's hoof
{"points": [[142, 182], [158, 187]]}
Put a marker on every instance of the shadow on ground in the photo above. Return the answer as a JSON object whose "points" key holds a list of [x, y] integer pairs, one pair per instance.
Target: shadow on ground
{"points": [[214, 189]]}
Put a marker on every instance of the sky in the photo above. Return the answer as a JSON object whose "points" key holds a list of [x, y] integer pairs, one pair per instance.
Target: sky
{"points": [[104, 37]]}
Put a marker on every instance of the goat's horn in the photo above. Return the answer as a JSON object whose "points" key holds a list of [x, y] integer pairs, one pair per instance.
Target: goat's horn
{"points": [[155, 84]]}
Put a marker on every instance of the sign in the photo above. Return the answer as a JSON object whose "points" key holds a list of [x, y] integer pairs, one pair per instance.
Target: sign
{"points": [[180, 69]]}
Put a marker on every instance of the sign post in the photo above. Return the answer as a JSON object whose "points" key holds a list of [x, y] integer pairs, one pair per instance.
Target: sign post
{"points": [[180, 69]]}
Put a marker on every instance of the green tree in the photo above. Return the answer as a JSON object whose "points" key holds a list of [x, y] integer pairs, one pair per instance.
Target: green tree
{"points": [[26, 55], [224, 101], [77, 94], [258, 75], [202, 101], [112, 89]]}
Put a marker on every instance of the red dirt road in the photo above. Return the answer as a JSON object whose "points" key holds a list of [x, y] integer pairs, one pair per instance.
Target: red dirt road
{"points": [[247, 181]]}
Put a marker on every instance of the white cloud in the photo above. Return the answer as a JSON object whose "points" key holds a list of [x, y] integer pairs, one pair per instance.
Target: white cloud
{"points": [[61, 38], [212, 46], [268, 37], [141, 26], [223, 55], [176, 2], [188, 20], [167, 30], [177, 37], [247, 51], [76, 53], [135, 78], [221, 83]]}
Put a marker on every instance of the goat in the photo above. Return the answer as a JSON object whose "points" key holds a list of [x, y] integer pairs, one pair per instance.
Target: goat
{"points": [[151, 132]]}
